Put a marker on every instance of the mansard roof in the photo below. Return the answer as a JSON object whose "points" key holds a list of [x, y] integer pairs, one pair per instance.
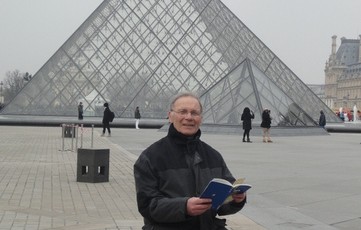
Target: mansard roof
{"points": [[348, 52]]}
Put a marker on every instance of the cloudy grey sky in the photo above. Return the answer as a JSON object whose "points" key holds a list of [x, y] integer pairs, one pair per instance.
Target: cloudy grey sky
{"points": [[298, 31]]}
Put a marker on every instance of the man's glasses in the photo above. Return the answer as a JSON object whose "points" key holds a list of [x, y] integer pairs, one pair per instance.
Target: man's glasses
{"points": [[184, 113]]}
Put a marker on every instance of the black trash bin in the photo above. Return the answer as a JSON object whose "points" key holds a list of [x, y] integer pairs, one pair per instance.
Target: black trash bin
{"points": [[93, 165]]}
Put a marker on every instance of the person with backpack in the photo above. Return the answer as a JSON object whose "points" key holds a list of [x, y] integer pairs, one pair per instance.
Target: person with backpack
{"points": [[107, 117]]}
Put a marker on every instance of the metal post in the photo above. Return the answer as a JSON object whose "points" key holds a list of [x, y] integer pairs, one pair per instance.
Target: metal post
{"points": [[81, 135], [72, 137], [62, 136], [76, 139], [91, 143]]}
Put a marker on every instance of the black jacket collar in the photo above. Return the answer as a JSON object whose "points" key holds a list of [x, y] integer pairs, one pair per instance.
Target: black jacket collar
{"points": [[181, 138]]}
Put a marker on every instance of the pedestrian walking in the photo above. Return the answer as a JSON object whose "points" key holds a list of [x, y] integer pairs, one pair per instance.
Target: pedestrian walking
{"points": [[80, 111], [137, 117], [322, 120], [106, 119], [247, 117]]}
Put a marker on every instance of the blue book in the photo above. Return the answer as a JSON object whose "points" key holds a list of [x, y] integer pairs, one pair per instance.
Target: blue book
{"points": [[219, 190]]}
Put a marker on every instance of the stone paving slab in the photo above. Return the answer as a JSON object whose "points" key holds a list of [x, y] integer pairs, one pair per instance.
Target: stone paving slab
{"points": [[38, 187]]}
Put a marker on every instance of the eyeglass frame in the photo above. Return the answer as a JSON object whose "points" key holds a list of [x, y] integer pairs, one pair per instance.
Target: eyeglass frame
{"points": [[184, 113]]}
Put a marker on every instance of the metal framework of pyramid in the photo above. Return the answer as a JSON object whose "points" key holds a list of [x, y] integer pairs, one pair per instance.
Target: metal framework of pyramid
{"points": [[142, 52]]}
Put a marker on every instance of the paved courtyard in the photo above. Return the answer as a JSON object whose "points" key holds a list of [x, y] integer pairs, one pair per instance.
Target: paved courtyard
{"points": [[299, 182], [38, 187]]}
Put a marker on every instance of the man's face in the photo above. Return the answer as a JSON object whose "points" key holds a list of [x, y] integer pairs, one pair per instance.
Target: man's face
{"points": [[186, 115]]}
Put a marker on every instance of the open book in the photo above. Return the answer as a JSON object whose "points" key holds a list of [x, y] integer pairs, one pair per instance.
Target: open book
{"points": [[221, 191]]}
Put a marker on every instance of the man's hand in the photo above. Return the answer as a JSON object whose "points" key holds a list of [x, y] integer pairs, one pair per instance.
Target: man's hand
{"points": [[238, 198], [197, 206]]}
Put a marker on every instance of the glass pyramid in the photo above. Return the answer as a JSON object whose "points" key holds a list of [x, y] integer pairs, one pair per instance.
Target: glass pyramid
{"points": [[142, 52], [247, 86]]}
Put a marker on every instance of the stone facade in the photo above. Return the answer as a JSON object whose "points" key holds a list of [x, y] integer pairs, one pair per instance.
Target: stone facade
{"points": [[343, 75]]}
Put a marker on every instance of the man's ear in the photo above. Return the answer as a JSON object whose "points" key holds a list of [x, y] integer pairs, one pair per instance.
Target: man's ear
{"points": [[170, 119]]}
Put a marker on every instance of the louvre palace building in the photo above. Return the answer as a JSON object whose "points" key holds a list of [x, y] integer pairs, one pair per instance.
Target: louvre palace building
{"points": [[343, 75]]}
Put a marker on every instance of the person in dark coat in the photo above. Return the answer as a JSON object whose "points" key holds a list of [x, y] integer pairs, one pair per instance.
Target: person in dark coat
{"points": [[171, 174], [247, 117], [137, 117], [106, 119], [266, 125], [80, 111], [322, 120]]}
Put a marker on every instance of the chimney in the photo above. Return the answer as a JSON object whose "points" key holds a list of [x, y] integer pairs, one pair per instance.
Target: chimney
{"points": [[333, 53]]}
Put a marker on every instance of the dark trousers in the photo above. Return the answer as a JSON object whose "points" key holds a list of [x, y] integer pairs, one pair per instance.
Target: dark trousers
{"points": [[80, 116], [106, 125], [246, 134]]}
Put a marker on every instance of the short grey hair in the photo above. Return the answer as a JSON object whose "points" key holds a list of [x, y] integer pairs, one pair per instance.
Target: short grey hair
{"points": [[185, 94]]}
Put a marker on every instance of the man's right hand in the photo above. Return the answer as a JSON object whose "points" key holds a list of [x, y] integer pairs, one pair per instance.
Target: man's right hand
{"points": [[197, 206]]}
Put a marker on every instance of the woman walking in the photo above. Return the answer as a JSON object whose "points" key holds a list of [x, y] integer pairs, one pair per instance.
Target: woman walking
{"points": [[247, 117]]}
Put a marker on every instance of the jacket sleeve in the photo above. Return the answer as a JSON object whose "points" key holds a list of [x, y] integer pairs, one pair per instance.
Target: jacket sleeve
{"points": [[231, 207], [152, 204]]}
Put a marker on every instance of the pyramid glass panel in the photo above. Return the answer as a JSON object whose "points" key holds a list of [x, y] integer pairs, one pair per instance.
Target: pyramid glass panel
{"points": [[142, 52], [247, 86]]}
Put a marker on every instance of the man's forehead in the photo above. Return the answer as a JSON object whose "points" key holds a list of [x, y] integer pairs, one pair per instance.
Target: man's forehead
{"points": [[187, 102]]}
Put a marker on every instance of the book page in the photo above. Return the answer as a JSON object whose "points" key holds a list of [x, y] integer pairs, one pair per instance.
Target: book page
{"points": [[237, 181], [222, 181]]}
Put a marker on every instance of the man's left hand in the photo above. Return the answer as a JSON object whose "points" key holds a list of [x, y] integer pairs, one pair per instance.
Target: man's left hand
{"points": [[238, 198]]}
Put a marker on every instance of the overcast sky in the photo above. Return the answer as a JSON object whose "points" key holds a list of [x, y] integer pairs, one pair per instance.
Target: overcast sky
{"points": [[298, 31]]}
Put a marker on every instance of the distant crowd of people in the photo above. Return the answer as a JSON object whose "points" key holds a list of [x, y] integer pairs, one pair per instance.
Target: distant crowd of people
{"points": [[108, 117], [246, 118], [347, 116]]}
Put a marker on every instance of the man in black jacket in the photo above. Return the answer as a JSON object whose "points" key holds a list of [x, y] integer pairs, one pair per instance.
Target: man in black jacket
{"points": [[172, 173], [322, 120], [106, 119]]}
